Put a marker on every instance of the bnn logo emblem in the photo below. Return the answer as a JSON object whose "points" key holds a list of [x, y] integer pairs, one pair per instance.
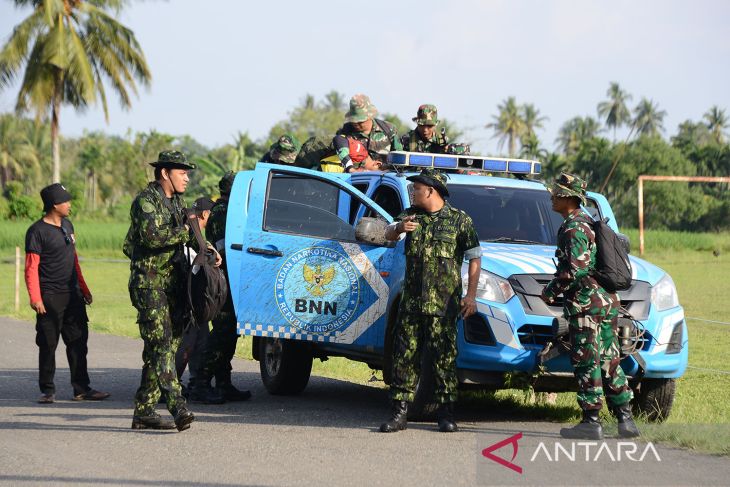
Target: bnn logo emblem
{"points": [[487, 452]]}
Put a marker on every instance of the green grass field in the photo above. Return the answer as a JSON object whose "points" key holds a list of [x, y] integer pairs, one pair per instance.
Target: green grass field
{"points": [[700, 418]]}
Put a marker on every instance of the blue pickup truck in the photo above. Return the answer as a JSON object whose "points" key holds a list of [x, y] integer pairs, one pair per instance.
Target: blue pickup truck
{"points": [[311, 278]]}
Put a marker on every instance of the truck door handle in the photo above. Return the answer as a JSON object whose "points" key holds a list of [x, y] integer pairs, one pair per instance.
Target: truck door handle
{"points": [[269, 252], [236, 246]]}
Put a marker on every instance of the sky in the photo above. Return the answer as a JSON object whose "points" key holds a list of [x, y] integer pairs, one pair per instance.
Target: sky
{"points": [[224, 66]]}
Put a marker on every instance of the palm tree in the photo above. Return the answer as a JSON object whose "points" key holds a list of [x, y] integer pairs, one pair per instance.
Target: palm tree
{"points": [[17, 157], [69, 47], [530, 148], [508, 125], [335, 101], [614, 110], [576, 131], [717, 122], [648, 119], [531, 119]]}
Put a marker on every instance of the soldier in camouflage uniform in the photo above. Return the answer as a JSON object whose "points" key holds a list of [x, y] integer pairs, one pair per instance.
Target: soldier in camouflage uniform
{"points": [[378, 136], [592, 313], [154, 243], [283, 151], [221, 343], [425, 137], [438, 239]]}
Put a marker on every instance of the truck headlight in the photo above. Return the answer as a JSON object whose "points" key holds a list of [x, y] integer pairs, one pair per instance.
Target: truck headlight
{"points": [[490, 287], [664, 294]]}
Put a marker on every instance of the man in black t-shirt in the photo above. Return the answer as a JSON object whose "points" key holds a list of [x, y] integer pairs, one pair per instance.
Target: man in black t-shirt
{"points": [[58, 294]]}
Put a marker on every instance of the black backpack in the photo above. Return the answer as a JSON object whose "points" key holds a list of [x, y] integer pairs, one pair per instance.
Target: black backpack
{"points": [[207, 288], [613, 267]]}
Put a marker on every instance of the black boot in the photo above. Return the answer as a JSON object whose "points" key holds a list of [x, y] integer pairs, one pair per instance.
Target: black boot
{"points": [[445, 417], [626, 426], [588, 429], [233, 394], [151, 422], [398, 418], [203, 393], [183, 418]]}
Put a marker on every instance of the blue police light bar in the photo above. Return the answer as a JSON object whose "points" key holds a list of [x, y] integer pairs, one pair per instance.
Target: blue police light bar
{"points": [[466, 163]]}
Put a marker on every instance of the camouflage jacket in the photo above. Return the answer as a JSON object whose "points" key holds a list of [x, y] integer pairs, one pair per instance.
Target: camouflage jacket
{"points": [[383, 138], [435, 251], [156, 239], [576, 254], [413, 142], [215, 230]]}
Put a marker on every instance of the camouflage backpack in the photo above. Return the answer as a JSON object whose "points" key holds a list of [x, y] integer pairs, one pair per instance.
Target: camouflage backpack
{"points": [[314, 149]]}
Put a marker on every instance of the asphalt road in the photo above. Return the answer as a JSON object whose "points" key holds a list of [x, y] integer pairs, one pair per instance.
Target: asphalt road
{"points": [[326, 436]]}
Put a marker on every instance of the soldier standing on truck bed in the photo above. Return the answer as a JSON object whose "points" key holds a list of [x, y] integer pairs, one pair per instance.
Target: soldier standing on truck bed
{"points": [[592, 313], [439, 238], [378, 136]]}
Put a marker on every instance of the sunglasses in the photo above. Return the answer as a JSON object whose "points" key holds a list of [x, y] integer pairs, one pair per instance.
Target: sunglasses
{"points": [[66, 236]]}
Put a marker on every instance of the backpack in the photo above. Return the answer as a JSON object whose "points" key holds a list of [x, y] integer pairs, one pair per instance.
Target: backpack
{"points": [[313, 150], [208, 288], [613, 267]]}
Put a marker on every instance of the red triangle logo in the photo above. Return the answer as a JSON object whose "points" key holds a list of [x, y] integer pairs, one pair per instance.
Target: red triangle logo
{"points": [[487, 452]]}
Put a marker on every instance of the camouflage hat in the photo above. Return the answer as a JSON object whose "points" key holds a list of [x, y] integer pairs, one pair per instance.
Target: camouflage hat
{"points": [[432, 178], [172, 159], [361, 109], [226, 183], [427, 115], [568, 185], [286, 148]]}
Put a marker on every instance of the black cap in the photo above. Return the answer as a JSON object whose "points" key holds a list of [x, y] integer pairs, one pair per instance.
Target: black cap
{"points": [[53, 195], [203, 204]]}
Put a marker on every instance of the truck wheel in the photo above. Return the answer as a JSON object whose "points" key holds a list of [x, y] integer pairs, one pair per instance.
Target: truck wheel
{"points": [[423, 407], [285, 365], [655, 398]]}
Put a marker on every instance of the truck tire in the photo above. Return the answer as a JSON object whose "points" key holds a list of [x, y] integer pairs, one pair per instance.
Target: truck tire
{"points": [[285, 366], [424, 407], [654, 399]]}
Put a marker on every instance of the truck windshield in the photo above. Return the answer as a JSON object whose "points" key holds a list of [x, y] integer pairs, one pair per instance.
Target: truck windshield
{"points": [[507, 215]]}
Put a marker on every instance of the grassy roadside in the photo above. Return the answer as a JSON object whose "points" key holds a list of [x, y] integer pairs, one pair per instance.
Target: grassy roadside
{"points": [[700, 418]]}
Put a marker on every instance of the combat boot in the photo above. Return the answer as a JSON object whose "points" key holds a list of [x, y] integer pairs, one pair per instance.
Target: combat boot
{"points": [[626, 426], [203, 393], [398, 418], [231, 393], [183, 418], [588, 429], [445, 418], [152, 422]]}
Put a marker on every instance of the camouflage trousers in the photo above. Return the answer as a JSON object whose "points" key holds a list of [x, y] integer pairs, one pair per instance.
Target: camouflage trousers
{"points": [[595, 355], [161, 318], [413, 333], [220, 347]]}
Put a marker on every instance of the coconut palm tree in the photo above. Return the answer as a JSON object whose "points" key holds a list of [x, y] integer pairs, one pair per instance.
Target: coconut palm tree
{"points": [[648, 119], [717, 122], [17, 157], [69, 48], [614, 109], [508, 124], [531, 119], [576, 131]]}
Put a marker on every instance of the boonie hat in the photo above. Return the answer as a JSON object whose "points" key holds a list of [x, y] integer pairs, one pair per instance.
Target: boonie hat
{"points": [[172, 159]]}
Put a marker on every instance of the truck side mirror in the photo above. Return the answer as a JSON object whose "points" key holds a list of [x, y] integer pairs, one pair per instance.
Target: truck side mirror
{"points": [[372, 230]]}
